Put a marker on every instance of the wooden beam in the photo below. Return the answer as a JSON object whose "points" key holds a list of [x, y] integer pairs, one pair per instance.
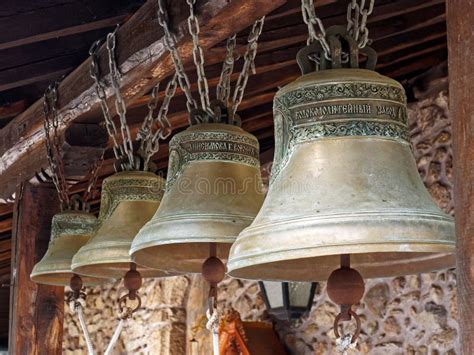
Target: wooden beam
{"points": [[36, 311], [460, 16], [144, 62]]}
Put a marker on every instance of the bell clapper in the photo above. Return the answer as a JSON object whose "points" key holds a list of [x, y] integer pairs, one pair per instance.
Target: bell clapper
{"points": [[345, 287], [213, 271]]}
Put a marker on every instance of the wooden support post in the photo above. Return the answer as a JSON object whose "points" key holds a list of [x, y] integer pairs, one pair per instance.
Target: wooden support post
{"points": [[460, 17], [36, 311]]}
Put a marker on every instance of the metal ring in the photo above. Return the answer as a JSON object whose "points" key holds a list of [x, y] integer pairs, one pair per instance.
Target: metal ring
{"points": [[123, 302], [358, 329]]}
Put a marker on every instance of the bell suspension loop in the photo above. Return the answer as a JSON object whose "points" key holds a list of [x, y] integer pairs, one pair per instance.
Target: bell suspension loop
{"points": [[132, 282]]}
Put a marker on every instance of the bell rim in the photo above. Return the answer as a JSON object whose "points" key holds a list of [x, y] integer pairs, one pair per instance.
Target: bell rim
{"points": [[172, 263], [105, 271], [42, 277], [218, 237], [441, 259], [409, 228]]}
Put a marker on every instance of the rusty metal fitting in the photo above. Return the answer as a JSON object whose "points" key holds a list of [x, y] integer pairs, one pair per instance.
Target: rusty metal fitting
{"points": [[340, 317], [213, 270], [132, 281], [76, 285], [345, 286]]}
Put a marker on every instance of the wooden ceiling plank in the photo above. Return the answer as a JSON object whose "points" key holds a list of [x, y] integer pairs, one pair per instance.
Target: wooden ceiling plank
{"points": [[30, 73], [90, 26], [62, 19], [6, 208], [12, 109]]}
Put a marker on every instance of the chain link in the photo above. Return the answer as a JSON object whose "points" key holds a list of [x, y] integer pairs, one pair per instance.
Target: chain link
{"points": [[150, 141], [120, 106], [92, 181], [53, 144], [249, 63], [357, 15], [144, 133], [198, 57], [100, 88], [310, 18], [223, 87], [170, 44]]}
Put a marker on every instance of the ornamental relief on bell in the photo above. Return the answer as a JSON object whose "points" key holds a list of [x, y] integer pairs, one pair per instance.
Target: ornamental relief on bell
{"points": [[209, 146]]}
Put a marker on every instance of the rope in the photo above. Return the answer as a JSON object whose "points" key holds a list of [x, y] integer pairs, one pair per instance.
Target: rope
{"points": [[76, 307], [80, 315], [115, 337], [213, 326], [344, 343]]}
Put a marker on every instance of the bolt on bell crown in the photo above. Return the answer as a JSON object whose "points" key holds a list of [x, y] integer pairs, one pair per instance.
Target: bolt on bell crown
{"points": [[213, 191], [129, 199], [70, 230], [344, 181]]}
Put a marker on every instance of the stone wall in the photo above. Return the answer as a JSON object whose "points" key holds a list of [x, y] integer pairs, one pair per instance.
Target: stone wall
{"points": [[405, 315]]}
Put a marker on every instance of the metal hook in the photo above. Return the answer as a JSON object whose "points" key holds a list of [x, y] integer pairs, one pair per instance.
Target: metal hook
{"points": [[357, 319]]}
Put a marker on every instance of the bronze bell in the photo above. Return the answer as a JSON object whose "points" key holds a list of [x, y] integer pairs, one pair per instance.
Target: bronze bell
{"points": [[70, 230], [129, 199], [344, 181], [213, 191]]}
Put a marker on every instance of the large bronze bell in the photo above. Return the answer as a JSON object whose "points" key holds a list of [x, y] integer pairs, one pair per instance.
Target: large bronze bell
{"points": [[344, 181], [129, 199], [70, 230], [213, 191]]}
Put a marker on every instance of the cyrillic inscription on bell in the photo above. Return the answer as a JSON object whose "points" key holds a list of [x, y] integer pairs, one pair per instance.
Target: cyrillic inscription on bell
{"points": [[213, 191], [344, 181]]}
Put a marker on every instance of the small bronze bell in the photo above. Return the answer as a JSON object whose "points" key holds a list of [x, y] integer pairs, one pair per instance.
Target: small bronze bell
{"points": [[129, 199], [213, 191], [344, 181], [70, 230]]}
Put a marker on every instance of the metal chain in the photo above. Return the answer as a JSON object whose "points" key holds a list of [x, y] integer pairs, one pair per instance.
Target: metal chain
{"points": [[53, 148], [249, 64], [144, 133], [164, 130], [357, 15], [100, 89], [310, 18], [170, 44], [223, 87], [150, 141], [120, 106], [93, 175], [198, 57]]}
